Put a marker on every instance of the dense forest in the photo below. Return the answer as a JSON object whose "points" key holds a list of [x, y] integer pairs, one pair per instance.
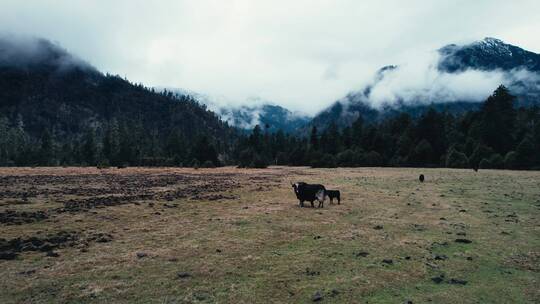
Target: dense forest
{"points": [[56, 110], [496, 136], [165, 130], [123, 124]]}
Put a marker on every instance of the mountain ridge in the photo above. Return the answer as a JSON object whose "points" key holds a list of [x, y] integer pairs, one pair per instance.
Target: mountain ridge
{"points": [[453, 60]]}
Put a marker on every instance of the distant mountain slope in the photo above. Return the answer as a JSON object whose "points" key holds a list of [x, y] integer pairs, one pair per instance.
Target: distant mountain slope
{"points": [[254, 112], [266, 115], [45, 88], [520, 68]]}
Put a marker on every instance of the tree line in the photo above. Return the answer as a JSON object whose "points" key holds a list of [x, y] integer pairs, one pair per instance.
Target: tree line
{"points": [[110, 144], [496, 136]]}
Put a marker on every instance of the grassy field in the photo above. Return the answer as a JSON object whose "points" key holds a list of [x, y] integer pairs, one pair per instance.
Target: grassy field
{"points": [[169, 235]]}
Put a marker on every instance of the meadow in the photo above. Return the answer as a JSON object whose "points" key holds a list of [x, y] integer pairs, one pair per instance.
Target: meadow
{"points": [[228, 235]]}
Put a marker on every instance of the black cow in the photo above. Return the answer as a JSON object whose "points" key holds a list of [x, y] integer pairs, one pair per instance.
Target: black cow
{"points": [[334, 194], [310, 192]]}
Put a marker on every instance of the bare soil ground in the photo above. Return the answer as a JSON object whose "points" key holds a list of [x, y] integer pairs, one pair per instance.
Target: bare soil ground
{"points": [[227, 235]]}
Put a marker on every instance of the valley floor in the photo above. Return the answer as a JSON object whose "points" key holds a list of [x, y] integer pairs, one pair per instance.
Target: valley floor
{"points": [[227, 235]]}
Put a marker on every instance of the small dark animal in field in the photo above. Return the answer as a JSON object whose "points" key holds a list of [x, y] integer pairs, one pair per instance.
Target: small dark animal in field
{"points": [[309, 192], [334, 194], [421, 178]]}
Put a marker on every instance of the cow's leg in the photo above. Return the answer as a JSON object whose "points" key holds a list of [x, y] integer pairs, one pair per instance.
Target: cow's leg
{"points": [[338, 200], [321, 196], [302, 204], [312, 205]]}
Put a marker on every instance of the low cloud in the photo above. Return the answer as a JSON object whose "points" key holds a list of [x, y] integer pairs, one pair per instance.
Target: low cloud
{"points": [[419, 81], [244, 118], [243, 114], [248, 114], [25, 51], [301, 54]]}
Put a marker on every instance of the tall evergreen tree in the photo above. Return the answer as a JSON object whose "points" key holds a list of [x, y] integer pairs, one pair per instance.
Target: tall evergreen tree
{"points": [[497, 120], [176, 147], [89, 148], [47, 149], [330, 140], [314, 139], [4, 141], [204, 151], [256, 139], [111, 143], [357, 131]]}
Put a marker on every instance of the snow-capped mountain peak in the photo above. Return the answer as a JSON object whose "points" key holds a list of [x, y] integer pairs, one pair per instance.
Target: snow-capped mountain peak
{"points": [[458, 78], [487, 54]]}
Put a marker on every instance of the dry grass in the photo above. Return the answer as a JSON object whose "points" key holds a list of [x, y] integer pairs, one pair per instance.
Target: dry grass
{"points": [[242, 238]]}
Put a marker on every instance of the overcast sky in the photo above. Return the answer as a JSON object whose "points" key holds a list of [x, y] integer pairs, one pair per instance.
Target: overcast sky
{"points": [[300, 54]]}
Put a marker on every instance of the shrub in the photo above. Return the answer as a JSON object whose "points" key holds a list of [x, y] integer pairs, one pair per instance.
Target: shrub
{"points": [[442, 160], [526, 153], [104, 164], [323, 161], [346, 158], [372, 159], [479, 153], [245, 158], [329, 161], [358, 158], [315, 158], [282, 159], [298, 157], [496, 161], [456, 159], [259, 162], [395, 161], [510, 160], [422, 154], [485, 164], [208, 164]]}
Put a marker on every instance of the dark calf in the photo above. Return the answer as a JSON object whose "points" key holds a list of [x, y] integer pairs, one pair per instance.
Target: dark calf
{"points": [[334, 194]]}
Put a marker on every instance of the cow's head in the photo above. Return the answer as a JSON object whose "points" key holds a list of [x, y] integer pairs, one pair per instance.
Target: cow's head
{"points": [[297, 186]]}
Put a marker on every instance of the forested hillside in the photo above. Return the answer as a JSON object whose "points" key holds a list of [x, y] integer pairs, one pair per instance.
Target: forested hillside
{"points": [[58, 110]]}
